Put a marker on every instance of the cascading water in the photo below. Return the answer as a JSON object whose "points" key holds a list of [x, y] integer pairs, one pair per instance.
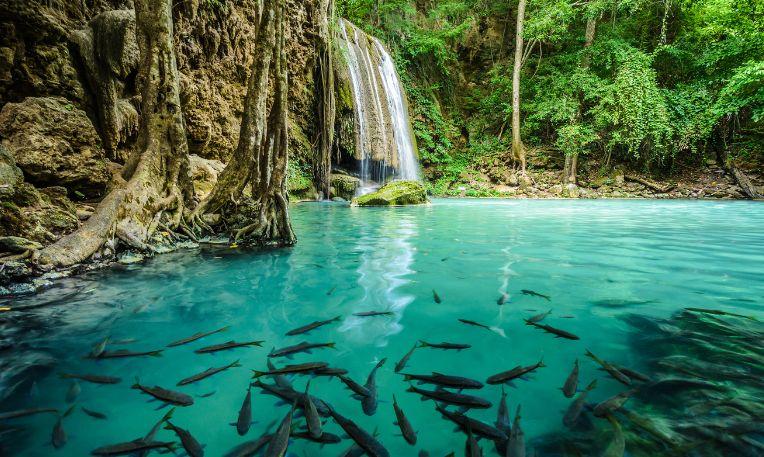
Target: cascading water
{"points": [[385, 147]]}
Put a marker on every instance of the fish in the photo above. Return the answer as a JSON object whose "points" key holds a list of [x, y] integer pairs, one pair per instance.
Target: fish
{"points": [[298, 368], [331, 291], [613, 403], [440, 379], [719, 312], [516, 445], [444, 345], [502, 299], [632, 374], [149, 437], [290, 395], [165, 395], [536, 294], [301, 347], [617, 445], [26, 412], [279, 379], [574, 410], [362, 438], [436, 297], [403, 423], [99, 348], [227, 345], [250, 448], [611, 369], [369, 402], [123, 342], [355, 387], [121, 353], [58, 436], [496, 330], [535, 319], [514, 373], [471, 446], [329, 371], [131, 447], [324, 438], [92, 378], [478, 427], [187, 440], [73, 392], [555, 331], [502, 416], [312, 326], [278, 445], [571, 383], [312, 419], [196, 336], [452, 398], [373, 313], [206, 374], [140, 308], [208, 394], [244, 420], [402, 363], [94, 414]]}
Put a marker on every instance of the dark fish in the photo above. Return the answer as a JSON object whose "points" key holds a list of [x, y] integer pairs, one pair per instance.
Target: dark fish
{"points": [[503, 299], [718, 312], [514, 373], [280, 441], [324, 438], [452, 398], [574, 410], [311, 326], [290, 395], [471, 446], [196, 336], [363, 439], [537, 318], [369, 402], [329, 371], [302, 347], [674, 385], [373, 313], [479, 428], [516, 445], [99, 348], [189, 443], [440, 379], [95, 379], [227, 345], [612, 404], [244, 419], [502, 416], [94, 414], [26, 412], [617, 445], [535, 294], [436, 297], [299, 368], [611, 369], [455, 346], [152, 433], [312, 419], [207, 373], [125, 353], [632, 374], [555, 331], [165, 395], [331, 291], [355, 387], [571, 383], [250, 448], [58, 436], [207, 395], [73, 392], [279, 379], [402, 363], [478, 324], [131, 447], [403, 423]]}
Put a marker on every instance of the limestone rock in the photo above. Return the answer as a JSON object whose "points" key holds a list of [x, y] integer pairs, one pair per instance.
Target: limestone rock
{"points": [[10, 174], [16, 244], [344, 186], [54, 143], [204, 173], [395, 193]]}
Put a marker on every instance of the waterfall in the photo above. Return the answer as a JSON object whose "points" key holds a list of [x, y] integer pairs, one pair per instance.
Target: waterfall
{"points": [[384, 143]]}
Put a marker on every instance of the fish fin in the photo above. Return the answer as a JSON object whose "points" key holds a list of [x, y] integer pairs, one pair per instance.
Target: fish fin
{"points": [[68, 411], [406, 377], [498, 331], [258, 374], [331, 345], [423, 344], [236, 363], [137, 384]]}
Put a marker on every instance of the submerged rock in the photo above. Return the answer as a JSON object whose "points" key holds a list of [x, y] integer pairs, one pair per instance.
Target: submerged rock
{"points": [[395, 193]]}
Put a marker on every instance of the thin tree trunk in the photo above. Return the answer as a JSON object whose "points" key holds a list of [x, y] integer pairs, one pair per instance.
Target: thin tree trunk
{"points": [[571, 160], [156, 187], [518, 150], [322, 162]]}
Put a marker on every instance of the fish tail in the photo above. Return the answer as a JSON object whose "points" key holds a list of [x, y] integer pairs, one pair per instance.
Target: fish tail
{"points": [[157, 353], [167, 426], [498, 331], [423, 344], [256, 343], [137, 384], [168, 415], [258, 374], [331, 345], [407, 377], [541, 362], [336, 318], [410, 389], [68, 411], [224, 329], [235, 364]]}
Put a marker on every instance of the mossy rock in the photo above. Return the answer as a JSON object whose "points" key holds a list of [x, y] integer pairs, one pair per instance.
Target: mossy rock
{"points": [[395, 193], [344, 186]]}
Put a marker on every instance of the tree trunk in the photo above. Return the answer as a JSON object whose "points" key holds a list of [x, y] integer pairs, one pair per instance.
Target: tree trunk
{"points": [[322, 163], [571, 160], [518, 150], [740, 178], [155, 185]]}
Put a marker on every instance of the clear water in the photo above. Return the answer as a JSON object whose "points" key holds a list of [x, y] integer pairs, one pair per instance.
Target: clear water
{"points": [[597, 260]]}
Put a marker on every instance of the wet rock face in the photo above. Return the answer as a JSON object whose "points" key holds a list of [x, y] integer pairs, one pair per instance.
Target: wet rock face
{"points": [[395, 193], [54, 143]]}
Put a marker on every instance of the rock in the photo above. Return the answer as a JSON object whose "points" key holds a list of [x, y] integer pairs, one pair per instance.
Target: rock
{"points": [[338, 199], [395, 193], [204, 174], [54, 143], [10, 174], [619, 179], [344, 186], [571, 191], [17, 245]]}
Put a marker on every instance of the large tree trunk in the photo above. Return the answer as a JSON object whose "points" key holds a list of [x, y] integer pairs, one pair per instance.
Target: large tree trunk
{"points": [[155, 185], [518, 150], [322, 163]]}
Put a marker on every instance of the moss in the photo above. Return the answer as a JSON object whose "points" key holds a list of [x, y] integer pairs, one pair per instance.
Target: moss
{"points": [[395, 193], [344, 185]]}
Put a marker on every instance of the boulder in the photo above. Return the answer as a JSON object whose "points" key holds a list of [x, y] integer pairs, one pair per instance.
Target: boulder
{"points": [[55, 143], [344, 186], [204, 174], [395, 193], [16, 244]]}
